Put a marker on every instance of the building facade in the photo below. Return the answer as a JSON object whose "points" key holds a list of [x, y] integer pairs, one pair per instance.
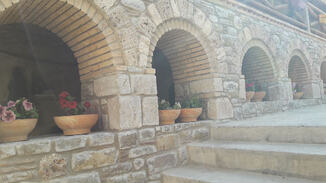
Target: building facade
{"points": [[212, 47]]}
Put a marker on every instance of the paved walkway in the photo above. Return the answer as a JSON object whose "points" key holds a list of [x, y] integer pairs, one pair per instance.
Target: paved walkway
{"points": [[308, 116]]}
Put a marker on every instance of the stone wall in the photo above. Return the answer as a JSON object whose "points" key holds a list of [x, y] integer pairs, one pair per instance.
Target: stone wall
{"points": [[226, 30], [113, 43], [128, 156], [240, 28]]}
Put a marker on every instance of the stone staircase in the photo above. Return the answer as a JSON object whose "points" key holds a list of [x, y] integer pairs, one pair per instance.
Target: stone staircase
{"points": [[256, 153]]}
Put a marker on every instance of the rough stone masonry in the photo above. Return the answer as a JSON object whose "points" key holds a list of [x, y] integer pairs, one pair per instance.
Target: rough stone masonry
{"points": [[113, 42]]}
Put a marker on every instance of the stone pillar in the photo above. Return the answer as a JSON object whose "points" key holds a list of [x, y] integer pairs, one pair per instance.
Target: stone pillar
{"points": [[280, 90], [118, 110], [128, 100], [144, 86], [242, 88], [219, 108], [312, 89], [209, 90]]}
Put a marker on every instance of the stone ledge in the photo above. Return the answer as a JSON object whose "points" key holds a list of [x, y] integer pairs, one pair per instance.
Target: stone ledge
{"points": [[122, 155], [41, 145]]}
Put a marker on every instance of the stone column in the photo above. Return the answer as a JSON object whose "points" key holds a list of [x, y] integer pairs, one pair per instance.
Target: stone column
{"points": [[144, 86], [312, 89], [210, 90], [242, 88], [218, 105], [128, 98], [280, 90]]}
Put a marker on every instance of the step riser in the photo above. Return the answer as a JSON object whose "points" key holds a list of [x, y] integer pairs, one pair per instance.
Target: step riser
{"points": [[306, 135], [172, 179], [278, 163]]}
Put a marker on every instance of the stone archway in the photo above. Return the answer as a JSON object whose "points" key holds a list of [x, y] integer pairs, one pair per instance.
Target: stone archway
{"points": [[300, 74], [84, 28], [78, 23], [191, 61], [187, 59], [258, 67]]}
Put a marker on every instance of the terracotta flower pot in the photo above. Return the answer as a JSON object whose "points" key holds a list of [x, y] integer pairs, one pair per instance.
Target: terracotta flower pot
{"points": [[17, 130], [76, 124], [249, 95], [259, 96], [168, 117], [190, 114], [298, 95]]}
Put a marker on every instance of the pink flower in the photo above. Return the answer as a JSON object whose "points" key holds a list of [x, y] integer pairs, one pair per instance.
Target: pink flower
{"points": [[8, 116], [2, 110], [64, 94], [11, 104], [87, 105], [27, 105]]}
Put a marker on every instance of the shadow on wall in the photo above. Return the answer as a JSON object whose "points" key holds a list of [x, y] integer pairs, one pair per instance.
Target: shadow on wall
{"points": [[36, 64], [164, 77]]}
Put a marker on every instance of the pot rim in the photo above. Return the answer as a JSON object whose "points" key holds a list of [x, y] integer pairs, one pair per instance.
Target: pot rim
{"points": [[76, 115], [171, 110], [18, 120], [193, 108]]}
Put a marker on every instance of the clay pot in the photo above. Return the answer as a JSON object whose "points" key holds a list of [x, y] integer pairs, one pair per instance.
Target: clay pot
{"points": [[190, 114], [298, 95], [259, 96], [17, 130], [76, 124], [249, 95], [168, 117]]}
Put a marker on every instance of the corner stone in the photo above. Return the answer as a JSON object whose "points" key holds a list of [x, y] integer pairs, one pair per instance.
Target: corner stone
{"points": [[220, 108], [125, 112], [150, 111], [112, 85]]}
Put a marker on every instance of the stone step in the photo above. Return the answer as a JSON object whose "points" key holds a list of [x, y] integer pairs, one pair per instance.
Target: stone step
{"points": [[198, 174], [285, 159], [284, 133]]}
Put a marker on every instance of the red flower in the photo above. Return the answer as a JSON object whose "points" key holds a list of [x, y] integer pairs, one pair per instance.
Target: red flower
{"points": [[64, 103], [64, 94], [73, 105], [249, 85], [87, 105]]}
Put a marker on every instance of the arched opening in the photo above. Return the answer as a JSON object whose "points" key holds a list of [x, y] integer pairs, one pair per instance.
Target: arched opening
{"points": [[259, 74], [36, 64], [181, 62], [299, 76], [323, 75], [52, 46]]}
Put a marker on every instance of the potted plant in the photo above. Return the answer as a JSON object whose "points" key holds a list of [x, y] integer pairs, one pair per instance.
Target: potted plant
{"points": [[167, 113], [78, 119], [191, 110], [297, 92], [250, 91], [17, 120], [259, 93]]}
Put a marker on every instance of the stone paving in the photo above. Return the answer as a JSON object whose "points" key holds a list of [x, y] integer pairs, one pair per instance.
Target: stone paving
{"points": [[308, 116]]}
